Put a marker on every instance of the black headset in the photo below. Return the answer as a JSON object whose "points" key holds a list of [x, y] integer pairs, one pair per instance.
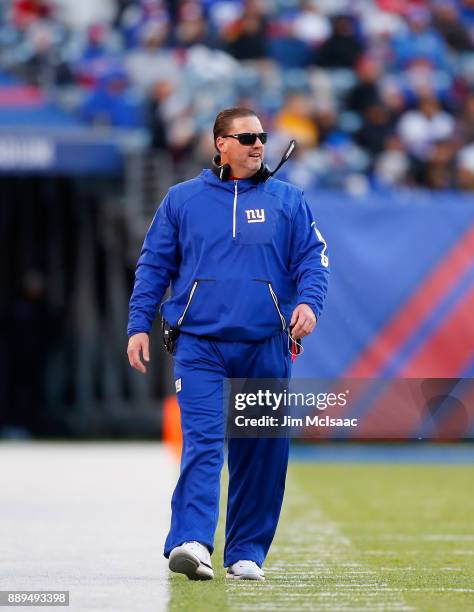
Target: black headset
{"points": [[223, 172]]}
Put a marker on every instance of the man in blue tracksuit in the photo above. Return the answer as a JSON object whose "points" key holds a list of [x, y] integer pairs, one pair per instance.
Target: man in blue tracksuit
{"points": [[248, 271]]}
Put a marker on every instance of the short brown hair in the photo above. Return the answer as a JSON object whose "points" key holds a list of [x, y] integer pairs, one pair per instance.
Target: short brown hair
{"points": [[225, 118]]}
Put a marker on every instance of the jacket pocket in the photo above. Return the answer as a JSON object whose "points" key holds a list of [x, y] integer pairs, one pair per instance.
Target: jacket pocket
{"points": [[190, 298], [233, 309], [274, 297]]}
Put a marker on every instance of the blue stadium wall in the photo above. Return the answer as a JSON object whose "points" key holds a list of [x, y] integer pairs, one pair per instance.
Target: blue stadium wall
{"points": [[400, 306], [401, 295]]}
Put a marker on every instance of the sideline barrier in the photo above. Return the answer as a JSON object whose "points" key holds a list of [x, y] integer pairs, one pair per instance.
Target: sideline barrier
{"points": [[401, 290]]}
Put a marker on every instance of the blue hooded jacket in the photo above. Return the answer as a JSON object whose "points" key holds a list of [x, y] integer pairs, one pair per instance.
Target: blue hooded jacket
{"points": [[239, 256]]}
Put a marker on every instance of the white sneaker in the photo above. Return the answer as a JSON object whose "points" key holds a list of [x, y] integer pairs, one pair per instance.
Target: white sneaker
{"points": [[193, 560], [245, 570]]}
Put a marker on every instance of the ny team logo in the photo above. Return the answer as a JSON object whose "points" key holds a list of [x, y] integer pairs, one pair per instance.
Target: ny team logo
{"points": [[255, 215]]}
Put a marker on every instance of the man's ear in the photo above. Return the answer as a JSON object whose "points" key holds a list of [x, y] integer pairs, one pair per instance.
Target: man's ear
{"points": [[221, 144]]}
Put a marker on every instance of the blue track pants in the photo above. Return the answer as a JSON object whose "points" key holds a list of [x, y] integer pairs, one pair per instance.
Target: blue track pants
{"points": [[257, 466]]}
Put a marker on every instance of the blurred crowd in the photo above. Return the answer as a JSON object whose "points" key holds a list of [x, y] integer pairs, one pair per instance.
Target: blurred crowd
{"points": [[378, 93]]}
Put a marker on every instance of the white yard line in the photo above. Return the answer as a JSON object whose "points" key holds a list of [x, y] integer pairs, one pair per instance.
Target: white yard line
{"points": [[90, 518], [319, 557], [427, 537], [411, 568]]}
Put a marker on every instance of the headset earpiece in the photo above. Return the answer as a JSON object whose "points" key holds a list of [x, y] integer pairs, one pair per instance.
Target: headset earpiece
{"points": [[222, 172]]}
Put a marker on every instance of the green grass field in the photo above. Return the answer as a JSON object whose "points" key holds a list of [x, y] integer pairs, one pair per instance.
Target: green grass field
{"points": [[358, 537]]}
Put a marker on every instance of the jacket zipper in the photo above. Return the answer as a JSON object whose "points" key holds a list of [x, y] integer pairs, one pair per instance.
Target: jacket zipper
{"points": [[275, 300], [234, 214], [193, 289]]}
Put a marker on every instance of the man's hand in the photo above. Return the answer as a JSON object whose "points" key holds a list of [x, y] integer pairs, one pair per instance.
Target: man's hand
{"points": [[303, 321], [138, 343]]}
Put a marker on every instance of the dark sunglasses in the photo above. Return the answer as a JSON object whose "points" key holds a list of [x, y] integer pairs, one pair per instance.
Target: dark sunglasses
{"points": [[247, 138]]}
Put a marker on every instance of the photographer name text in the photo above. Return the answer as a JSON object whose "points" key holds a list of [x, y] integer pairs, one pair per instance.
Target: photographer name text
{"points": [[289, 421]]}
